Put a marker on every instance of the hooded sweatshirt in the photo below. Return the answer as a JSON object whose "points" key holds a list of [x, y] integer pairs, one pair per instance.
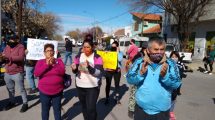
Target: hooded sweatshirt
{"points": [[15, 58]]}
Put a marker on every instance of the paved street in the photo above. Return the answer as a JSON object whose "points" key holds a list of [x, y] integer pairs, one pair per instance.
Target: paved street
{"points": [[197, 101]]}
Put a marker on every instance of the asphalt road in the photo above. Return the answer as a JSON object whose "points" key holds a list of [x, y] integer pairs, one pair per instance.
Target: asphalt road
{"points": [[197, 102]]}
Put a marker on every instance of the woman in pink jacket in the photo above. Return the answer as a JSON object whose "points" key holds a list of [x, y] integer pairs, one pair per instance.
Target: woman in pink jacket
{"points": [[50, 72]]}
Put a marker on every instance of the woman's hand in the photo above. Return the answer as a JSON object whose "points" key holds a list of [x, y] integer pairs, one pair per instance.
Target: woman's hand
{"points": [[50, 61], [73, 66]]}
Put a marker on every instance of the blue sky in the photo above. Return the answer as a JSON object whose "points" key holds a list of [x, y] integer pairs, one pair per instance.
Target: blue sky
{"points": [[81, 13]]}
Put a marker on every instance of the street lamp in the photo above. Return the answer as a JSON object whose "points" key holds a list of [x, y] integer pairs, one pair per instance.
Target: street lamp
{"points": [[94, 22]]}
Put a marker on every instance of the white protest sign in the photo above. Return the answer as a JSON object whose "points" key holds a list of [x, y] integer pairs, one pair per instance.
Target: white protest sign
{"points": [[36, 48]]}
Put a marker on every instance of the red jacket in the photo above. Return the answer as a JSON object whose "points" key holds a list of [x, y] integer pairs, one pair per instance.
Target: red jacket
{"points": [[16, 57]]}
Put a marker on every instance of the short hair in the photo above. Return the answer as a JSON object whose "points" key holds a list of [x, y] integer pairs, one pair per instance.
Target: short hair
{"points": [[48, 45], [132, 40], [158, 40], [116, 43]]}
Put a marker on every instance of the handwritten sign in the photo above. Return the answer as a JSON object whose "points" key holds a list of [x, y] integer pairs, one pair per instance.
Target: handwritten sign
{"points": [[109, 59], [36, 48]]}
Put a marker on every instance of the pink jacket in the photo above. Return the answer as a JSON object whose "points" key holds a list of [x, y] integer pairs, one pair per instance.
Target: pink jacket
{"points": [[132, 51], [50, 77], [16, 57]]}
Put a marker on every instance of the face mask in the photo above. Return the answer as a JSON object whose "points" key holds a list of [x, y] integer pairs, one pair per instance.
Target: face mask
{"points": [[12, 44], [113, 49], [175, 59], [156, 57]]}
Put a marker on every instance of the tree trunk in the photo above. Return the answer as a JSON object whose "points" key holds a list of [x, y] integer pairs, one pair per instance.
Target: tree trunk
{"points": [[19, 23]]}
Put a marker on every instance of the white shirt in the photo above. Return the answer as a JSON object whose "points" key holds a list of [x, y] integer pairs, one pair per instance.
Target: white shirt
{"points": [[86, 80]]}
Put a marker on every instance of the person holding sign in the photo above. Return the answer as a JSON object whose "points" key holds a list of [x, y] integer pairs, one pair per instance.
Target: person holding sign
{"points": [[116, 73], [13, 55], [51, 84], [88, 67]]}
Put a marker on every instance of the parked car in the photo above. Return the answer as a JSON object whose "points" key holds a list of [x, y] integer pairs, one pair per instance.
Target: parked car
{"points": [[187, 56], [79, 43]]}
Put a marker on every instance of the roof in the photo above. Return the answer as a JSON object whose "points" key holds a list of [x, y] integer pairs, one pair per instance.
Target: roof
{"points": [[119, 32], [147, 16], [155, 29]]}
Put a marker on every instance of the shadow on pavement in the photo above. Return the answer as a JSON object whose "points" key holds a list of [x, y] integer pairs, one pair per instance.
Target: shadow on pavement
{"points": [[72, 112], [19, 101], [200, 69], [2, 82], [103, 110], [68, 95], [213, 100]]}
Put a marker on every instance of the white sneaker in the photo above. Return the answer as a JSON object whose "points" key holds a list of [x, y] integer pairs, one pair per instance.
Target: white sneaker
{"points": [[210, 73], [206, 72]]}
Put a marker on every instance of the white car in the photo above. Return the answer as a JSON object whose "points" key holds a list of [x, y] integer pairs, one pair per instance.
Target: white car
{"points": [[79, 43], [187, 56]]}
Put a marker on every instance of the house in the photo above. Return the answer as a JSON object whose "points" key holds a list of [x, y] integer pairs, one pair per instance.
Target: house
{"points": [[146, 25], [202, 34], [119, 33]]}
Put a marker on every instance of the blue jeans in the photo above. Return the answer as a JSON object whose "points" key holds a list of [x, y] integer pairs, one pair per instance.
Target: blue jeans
{"points": [[10, 81], [30, 76], [68, 55], [51, 100]]}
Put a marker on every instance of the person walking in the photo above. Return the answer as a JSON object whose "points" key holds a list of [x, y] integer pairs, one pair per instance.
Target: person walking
{"points": [[109, 74], [50, 72], [88, 67], [29, 71], [155, 76], [68, 54], [14, 54], [131, 101], [209, 60], [174, 55]]}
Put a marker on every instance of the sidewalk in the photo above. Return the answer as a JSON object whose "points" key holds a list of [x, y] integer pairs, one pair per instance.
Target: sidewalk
{"points": [[196, 64]]}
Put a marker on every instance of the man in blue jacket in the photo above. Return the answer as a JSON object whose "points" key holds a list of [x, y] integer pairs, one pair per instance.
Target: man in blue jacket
{"points": [[155, 77]]}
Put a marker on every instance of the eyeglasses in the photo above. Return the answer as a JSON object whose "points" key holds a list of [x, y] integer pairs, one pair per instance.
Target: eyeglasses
{"points": [[49, 51]]}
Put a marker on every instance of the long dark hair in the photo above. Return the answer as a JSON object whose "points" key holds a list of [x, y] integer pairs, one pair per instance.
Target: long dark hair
{"points": [[176, 53]]}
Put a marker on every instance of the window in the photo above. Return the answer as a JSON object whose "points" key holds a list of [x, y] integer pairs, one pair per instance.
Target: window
{"points": [[192, 36], [145, 23], [121, 43], [127, 43], [136, 26]]}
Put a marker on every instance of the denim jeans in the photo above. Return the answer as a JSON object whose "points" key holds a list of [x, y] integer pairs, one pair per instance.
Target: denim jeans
{"points": [[30, 77], [51, 100], [17, 79], [68, 55], [88, 98]]}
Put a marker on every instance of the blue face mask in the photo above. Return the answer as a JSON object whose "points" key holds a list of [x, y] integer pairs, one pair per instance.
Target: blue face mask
{"points": [[156, 57]]}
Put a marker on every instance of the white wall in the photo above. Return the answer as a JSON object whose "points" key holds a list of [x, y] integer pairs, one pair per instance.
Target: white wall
{"points": [[128, 31], [200, 39]]}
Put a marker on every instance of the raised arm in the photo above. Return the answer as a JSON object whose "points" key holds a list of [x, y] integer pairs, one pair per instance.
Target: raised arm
{"points": [[134, 76], [172, 78]]}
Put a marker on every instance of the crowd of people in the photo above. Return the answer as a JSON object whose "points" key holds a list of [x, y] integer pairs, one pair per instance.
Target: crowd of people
{"points": [[154, 78]]}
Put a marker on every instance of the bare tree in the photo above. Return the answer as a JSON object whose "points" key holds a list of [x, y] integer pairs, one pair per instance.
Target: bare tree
{"points": [[75, 34], [183, 11]]}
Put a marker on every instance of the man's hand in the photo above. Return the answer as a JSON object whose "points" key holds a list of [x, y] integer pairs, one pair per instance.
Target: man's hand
{"points": [[144, 68], [164, 69]]}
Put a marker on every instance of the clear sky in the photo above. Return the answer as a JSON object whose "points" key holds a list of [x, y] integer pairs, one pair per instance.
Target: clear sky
{"points": [[81, 14]]}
